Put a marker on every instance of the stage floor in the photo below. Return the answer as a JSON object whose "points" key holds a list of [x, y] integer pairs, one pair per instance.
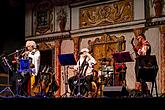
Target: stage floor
{"points": [[72, 103]]}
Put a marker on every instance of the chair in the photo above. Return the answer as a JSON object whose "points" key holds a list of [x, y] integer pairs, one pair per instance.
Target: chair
{"points": [[146, 70]]}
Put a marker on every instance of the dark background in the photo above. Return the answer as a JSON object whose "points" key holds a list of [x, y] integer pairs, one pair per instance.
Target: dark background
{"points": [[12, 30], [12, 25]]}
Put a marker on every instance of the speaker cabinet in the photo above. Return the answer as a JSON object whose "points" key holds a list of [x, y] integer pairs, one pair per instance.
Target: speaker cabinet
{"points": [[112, 91]]}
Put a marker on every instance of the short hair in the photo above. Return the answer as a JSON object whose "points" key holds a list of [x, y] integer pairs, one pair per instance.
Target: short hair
{"points": [[142, 35], [31, 43]]}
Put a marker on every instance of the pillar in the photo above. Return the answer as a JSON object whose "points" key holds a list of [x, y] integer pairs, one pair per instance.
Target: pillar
{"points": [[76, 41], [57, 65], [162, 59]]}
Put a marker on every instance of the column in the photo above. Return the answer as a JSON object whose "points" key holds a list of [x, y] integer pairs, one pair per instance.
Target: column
{"points": [[162, 59], [57, 65], [76, 41]]}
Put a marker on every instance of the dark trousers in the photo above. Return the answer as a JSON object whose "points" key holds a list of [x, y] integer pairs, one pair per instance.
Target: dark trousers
{"points": [[85, 81]]}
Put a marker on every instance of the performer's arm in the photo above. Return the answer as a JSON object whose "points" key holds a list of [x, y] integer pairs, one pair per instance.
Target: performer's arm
{"points": [[134, 47]]}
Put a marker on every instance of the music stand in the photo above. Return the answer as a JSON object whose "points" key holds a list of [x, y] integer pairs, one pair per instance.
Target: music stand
{"points": [[24, 69], [120, 57], [66, 60]]}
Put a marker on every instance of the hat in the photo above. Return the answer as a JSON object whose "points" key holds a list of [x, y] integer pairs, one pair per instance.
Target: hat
{"points": [[85, 50]]}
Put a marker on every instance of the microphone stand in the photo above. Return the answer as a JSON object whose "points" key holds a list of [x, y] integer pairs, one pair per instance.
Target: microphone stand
{"points": [[7, 89], [18, 81], [16, 52]]}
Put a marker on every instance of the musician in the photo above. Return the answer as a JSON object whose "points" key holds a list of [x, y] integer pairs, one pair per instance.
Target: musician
{"points": [[84, 68], [33, 54], [142, 48]]}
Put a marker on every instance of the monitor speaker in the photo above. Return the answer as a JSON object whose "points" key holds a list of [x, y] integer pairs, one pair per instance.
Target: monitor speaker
{"points": [[115, 91]]}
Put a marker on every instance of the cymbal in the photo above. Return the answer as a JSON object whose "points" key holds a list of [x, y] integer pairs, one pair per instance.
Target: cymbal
{"points": [[105, 59]]}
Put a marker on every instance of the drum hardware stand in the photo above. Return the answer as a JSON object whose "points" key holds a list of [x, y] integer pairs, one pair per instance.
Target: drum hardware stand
{"points": [[101, 81], [7, 89], [101, 88], [105, 65]]}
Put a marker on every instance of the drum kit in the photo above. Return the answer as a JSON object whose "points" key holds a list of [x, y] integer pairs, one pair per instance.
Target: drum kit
{"points": [[106, 71], [105, 74]]}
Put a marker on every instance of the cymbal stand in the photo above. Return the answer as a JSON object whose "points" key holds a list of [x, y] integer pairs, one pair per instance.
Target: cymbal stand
{"points": [[8, 67], [66, 82], [101, 82]]}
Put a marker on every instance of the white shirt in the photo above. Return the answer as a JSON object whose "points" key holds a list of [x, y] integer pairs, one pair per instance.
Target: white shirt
{"points": [[35, 55], [87, 69]]}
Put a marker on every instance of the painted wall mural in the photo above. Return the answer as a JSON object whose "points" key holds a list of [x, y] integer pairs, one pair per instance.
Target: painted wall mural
{"points": [[105, 46], [107, 14], [42, 18], [62, 18]]}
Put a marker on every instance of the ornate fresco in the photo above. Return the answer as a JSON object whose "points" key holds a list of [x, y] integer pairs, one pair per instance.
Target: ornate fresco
{"points": [[105, 46], [62, 18], [42, 17], [107, 14]]}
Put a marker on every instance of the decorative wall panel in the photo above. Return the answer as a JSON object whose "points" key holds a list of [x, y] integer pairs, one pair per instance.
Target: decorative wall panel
{"points": [[106, 14], [42, 18], [106, 46]]}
